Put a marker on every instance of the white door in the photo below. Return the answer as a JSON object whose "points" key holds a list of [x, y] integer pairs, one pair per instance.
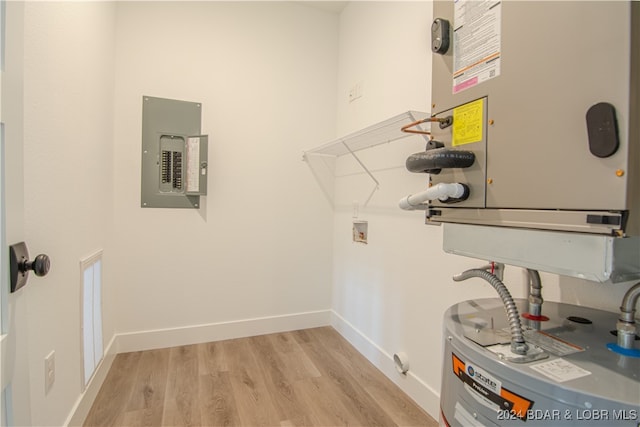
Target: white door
{"points": [[15, 378], [4, 374]]}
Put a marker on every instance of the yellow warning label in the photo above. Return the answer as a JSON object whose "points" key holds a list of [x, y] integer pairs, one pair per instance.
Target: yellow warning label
{"points": [[467, 123]]}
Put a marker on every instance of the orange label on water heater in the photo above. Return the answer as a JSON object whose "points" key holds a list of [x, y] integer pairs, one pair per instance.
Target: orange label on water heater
{"points": [[490, 388]]}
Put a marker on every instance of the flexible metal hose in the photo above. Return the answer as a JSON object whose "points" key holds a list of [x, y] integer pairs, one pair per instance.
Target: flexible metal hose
{"points": [[629, 301], [518, 344], [535, 293], [626, 325]]}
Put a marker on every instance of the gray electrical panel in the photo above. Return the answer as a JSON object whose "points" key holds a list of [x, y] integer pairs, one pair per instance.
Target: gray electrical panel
{"points": [[174, 154], [546, 96]]}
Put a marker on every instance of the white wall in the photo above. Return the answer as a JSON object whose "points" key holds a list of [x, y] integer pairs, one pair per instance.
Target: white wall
{"points": [[260, 245], [390, 294], [68, 191], [266, 76]]}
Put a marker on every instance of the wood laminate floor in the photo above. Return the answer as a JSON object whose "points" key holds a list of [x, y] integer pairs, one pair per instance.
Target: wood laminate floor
{"points": [[312, 377]]}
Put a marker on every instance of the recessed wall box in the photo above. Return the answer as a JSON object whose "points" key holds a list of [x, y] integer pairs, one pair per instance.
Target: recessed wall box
{"points": [[360, 231], [174, 154]]}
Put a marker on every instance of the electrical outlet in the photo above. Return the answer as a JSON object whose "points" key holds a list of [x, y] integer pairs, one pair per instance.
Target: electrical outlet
{"points": [[49, 371]]}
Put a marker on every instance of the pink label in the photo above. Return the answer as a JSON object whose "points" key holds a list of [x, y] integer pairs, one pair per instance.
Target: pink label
{"points": [[465, 85]]}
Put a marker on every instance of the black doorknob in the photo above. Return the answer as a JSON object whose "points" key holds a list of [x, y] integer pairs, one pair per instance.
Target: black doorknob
{"points": [[40, 265], [19, 265]]}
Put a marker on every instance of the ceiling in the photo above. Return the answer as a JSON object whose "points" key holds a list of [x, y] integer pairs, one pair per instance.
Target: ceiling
{"points": [[328, 6]]}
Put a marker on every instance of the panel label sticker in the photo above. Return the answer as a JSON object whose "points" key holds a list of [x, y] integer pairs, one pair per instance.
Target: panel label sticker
{"points": [[193, 164], [560, 370], [551, 344], [476, 42], [467, 123], [488, 388]]}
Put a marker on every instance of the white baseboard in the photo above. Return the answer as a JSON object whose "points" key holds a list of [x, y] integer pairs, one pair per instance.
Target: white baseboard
{"points": [[424, 395], [81, 409], [162, 338]]}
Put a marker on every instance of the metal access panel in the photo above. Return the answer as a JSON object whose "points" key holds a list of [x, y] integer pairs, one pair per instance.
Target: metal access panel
{"points": [[470, 135], [539, 68], [598, 258], [174, 154]]}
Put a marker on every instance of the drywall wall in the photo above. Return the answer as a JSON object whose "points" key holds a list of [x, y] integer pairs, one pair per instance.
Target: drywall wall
{"points": [[391, 290], [390, 295], [68, 191], [260, 245]]}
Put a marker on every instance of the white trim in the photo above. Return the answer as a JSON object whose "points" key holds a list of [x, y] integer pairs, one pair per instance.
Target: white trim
{"points": [[88, 261], [5, 375], [83, 404], [416, 388], [171, 337]]}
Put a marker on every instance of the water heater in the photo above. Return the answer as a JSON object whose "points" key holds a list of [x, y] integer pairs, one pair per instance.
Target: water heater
{"points": [[533, 160], [580, 382]]}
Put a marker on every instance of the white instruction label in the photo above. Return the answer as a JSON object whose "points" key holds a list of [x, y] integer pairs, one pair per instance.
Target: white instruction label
{"points": [[560, 370], [476, 42], [551, 344]]}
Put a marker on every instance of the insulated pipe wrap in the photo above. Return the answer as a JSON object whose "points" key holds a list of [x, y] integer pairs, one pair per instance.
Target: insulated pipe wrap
{"points": [[518, 344]]}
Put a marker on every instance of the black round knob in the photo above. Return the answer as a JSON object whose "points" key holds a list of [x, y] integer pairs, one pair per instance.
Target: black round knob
{"points": [[40, 265]]}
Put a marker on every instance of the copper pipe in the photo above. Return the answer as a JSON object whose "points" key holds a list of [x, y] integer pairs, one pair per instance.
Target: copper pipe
{"points": [[407, 129]]}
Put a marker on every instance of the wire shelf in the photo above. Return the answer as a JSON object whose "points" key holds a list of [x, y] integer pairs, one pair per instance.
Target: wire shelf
{"points": [[380, 133]]}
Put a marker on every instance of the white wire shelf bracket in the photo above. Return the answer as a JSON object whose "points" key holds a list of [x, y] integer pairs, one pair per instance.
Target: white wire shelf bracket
{"points": [[383, 132]]}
